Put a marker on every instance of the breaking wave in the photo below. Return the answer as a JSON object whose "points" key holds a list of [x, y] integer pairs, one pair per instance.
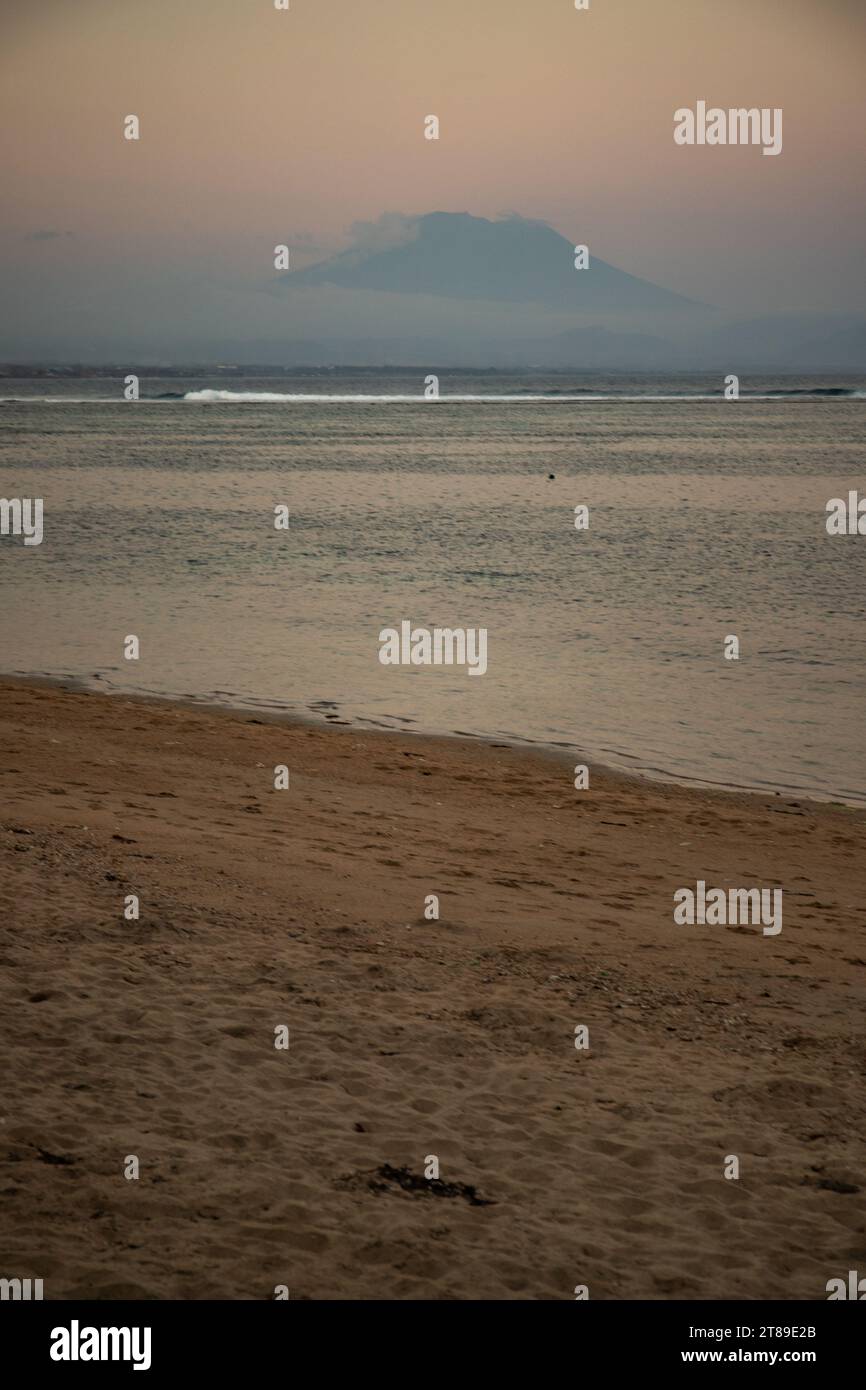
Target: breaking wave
{"points": [[276, 397]]}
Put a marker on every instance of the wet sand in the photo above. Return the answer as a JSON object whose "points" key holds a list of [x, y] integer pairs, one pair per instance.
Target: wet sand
{"points": [[410, 1038]]}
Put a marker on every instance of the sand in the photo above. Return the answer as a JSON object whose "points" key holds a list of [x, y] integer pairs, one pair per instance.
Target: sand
{"points": [[409, 1038]]}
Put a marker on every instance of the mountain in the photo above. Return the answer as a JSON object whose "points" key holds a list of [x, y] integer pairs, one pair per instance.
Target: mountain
{"points": [[844, 349], [457, 256], [596, 346], [792, 341]]}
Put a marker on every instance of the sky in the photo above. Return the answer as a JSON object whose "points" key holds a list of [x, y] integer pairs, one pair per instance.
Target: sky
{"points": [[261, 126]]}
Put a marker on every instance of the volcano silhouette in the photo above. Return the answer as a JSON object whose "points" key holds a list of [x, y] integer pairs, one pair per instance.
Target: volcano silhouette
{"points": [[457, 256]]}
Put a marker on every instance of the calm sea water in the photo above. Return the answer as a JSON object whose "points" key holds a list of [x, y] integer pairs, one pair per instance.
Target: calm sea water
{"points": [[707, 518]]}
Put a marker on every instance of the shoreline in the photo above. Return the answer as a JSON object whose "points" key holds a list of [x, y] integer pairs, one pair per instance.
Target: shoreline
{"points": [[556, 751], [408, 1036]]}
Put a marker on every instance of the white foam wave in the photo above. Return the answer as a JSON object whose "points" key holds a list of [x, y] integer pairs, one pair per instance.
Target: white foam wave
{"points": [[233, 397], [329, 398]]}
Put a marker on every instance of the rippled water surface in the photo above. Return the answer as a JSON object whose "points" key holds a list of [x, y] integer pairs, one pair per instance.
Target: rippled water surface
{"points": [[707, 518]]}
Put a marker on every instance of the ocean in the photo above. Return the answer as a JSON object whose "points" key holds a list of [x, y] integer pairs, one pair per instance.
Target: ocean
{"points": [[706, 520]]}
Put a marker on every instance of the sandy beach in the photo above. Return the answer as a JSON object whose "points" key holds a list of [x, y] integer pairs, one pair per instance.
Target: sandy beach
{"points": [[409, 1037]]}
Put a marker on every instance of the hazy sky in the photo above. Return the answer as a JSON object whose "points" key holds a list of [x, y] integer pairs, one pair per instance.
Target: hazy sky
{"points": [[261, 126]]}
